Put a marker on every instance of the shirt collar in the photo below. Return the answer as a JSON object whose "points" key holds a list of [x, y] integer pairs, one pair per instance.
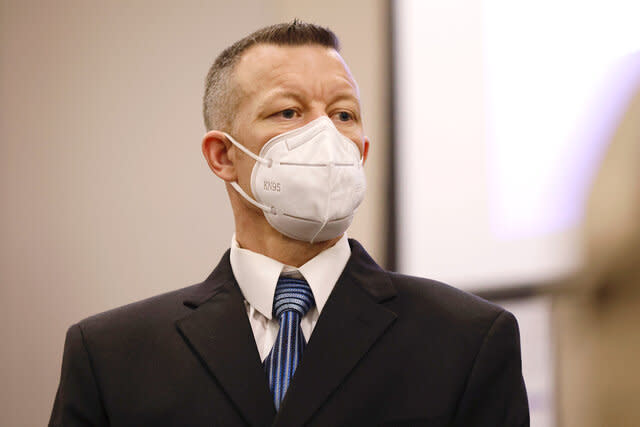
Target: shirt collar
{"points": [[257, 274]]}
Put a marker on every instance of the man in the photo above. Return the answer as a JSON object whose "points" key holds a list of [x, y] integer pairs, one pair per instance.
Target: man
{"points": [[296, 325]]}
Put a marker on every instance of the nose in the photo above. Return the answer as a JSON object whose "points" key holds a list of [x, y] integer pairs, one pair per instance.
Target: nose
{"points": [[317, 110]]}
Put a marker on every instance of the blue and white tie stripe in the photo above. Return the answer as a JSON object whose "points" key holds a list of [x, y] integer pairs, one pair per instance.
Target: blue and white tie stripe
{"points": [[292, 300]]}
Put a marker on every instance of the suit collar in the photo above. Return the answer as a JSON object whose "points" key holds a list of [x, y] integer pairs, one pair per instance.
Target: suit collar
{"points": [[368, 275], [220, 277], [218, 331]]}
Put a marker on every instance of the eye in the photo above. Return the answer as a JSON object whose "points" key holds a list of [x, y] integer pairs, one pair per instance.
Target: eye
{"points": [[289, 113], [344, 116]]}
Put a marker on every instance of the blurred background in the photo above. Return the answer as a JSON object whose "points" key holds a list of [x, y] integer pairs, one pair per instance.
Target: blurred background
{"points": [[505, 160]]}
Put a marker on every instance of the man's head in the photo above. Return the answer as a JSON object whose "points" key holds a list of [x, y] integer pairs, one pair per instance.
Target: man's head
{"points": [[273, 81]]}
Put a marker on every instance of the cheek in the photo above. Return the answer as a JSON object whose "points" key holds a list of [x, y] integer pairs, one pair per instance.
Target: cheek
{"points": [[244, 163], [244, 170], [244, 166], [260, 134]]}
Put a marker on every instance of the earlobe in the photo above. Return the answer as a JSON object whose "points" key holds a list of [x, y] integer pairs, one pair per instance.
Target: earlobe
{"points": [[217, 151]]}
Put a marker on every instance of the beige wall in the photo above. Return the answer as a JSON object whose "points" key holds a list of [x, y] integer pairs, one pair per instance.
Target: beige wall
{"points": [[105, 196]]}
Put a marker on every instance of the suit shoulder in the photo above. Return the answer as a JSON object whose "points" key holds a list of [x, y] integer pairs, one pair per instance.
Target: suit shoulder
{"points": [[157, 309], [442, 300]]}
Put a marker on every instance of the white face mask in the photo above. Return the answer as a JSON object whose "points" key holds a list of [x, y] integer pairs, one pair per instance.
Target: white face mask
{"points": [[308, 181]]}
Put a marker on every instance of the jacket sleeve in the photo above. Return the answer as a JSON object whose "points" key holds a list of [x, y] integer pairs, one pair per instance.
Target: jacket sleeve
{"points": [[495, 393], [78, 401]]}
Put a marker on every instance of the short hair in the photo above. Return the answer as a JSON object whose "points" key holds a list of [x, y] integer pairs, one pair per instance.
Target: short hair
{"points": [[221, 95]]}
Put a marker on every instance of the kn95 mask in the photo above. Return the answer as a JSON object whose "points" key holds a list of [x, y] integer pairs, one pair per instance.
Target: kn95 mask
{"points": [[307, 181]]}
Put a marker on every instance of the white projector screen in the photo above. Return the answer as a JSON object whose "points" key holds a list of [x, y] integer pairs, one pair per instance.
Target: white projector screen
{"points": [[503, 110]]}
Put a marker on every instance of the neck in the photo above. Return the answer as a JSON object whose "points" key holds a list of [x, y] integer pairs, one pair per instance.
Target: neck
{"points": [[281, 248], [253, 232]]}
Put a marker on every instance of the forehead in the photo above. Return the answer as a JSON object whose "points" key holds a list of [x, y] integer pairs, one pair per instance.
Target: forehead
{"points": [[312, 68]]}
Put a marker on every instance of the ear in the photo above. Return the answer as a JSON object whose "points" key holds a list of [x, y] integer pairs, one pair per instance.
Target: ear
{"points": [[220, 155], [365, 152]]}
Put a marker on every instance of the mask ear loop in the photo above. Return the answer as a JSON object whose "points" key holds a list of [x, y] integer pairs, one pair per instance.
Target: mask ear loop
{"points": [[248, 152], [237, 187], [249, 199]]}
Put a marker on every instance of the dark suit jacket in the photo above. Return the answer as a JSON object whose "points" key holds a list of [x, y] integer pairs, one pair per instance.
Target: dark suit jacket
{"points": [[387, 349]]}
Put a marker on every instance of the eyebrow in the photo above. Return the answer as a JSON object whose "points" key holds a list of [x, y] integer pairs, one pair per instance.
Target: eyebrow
{"points": [[279, 93], [345, 96]]}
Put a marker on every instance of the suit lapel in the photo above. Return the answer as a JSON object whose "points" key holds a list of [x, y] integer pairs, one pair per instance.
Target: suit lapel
{"points": [[351, 322], [218, 331]]}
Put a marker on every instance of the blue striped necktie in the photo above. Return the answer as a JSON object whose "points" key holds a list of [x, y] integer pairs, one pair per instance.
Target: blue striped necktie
{"points": [[292, 300]]}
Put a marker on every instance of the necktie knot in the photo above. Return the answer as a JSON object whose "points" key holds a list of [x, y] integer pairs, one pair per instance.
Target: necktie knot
{"points": [[292, 295]]}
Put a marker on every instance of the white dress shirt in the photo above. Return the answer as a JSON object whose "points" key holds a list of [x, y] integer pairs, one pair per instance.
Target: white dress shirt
{"points": [[257, 276]]}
